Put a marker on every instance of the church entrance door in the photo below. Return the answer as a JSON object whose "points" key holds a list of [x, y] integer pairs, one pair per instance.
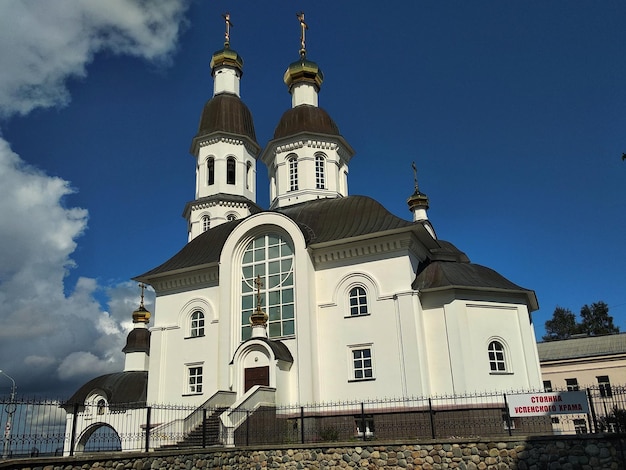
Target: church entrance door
{"points": [[256, 376]]}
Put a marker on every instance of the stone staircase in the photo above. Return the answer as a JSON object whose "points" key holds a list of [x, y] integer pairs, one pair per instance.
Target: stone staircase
{"points": [[194, 438]]}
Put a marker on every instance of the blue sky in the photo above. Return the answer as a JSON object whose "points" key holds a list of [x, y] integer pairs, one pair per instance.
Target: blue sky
{"points": [[514, 112]]}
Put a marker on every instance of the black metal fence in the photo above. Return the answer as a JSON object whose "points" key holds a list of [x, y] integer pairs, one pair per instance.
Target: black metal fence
{"points": [[38, 428]]}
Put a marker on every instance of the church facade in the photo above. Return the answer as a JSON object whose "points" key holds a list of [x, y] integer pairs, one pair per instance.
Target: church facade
{"points": [[324, 296]]}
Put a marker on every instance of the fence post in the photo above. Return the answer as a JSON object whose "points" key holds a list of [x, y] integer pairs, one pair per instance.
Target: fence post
{"points": [[204, 427], [73, 435], [432, 418], [302, 424], [247, 427], [363, 424], [507, 416], [593, 411], [148, 413]]}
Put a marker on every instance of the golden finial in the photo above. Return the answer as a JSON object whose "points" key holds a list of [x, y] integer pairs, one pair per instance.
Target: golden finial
{"points": [[259, 317], [415, 176], [303, 28], [229, 24], [141, 315]]}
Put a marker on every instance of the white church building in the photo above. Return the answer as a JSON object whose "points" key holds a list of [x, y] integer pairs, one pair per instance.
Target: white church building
{"points": [[321, 297]]}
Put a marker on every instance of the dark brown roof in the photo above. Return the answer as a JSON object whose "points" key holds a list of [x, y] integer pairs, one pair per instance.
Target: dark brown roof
{"points": [[320, 221], [138, 340], [226, 113], [280, 350], [305, 118], [447, 274], [121, 388], [444, 274]]}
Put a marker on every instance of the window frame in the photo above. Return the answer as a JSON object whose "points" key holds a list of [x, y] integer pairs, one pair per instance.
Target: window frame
{"points": [[274, 260], [498, 358], [292, 165], [572, 384], [231, 170], [359, 294], [604, 386], [193, 385], [197, 325], [320, 171], [206, 222], [210, 168], [362, 363]]}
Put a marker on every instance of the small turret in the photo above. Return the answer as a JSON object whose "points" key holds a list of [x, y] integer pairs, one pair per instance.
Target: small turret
{"points": [[137, 349], [418, 205]]}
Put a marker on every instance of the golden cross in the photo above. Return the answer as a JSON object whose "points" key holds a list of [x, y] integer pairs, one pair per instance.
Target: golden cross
{"points": [[226, 17], [414, 174], [258, 284], [303, 28], [142, 286]]}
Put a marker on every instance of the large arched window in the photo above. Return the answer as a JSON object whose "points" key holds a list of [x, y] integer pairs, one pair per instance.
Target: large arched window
{"points": [[210, 171], [197, 324], [293, 172], [497, 358], [248, 174], [230, 170], [320, 174], [358, 301], [270, 259]]}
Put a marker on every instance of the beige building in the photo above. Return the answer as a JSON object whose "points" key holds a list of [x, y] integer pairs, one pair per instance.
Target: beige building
{"points": [[581, 362]]}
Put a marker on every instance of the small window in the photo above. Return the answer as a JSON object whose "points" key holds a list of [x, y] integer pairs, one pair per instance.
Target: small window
{"points": [[293, 173], [230, 170], [101, 406], [206, 223], [197, 324], [362, 364], [358, 301], [195, 379], [547, 385], [231, 217], [320, 175], [604, 386], [572, 385], [210, 169], [580, 426], [497, 361], [248, 174]]}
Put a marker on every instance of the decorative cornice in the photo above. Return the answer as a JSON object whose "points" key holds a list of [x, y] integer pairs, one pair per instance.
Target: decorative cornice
{"points": [[207, 204], [216, 138], [186, 281], [376, 246]]}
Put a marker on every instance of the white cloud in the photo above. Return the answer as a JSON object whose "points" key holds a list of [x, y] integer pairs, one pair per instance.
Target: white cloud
{"points": [[47, 336], [42, 44]]}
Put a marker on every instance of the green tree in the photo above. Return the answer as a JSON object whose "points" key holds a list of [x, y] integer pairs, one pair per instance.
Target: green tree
{"points": [[562, 325], [596, 320]]}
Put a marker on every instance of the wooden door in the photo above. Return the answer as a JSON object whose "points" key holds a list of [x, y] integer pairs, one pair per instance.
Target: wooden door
{"points": [[257, 376]]}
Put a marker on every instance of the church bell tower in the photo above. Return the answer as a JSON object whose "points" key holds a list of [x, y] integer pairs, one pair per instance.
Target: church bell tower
{"points": [[225, 149]]}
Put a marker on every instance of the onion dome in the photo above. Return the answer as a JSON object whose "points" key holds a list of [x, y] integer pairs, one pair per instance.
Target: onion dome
{"points": [[303, 70], [141, 315], [138, 340], [305, 118], [417, 200], [226, 57], [226, 113]]}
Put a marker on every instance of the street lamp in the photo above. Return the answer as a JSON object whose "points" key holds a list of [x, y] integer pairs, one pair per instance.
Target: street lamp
{"points": [[11, 407]]}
